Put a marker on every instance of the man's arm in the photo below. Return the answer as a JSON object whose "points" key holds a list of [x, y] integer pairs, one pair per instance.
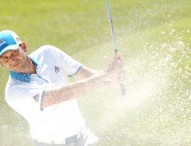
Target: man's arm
{"points": [[84, 72], [91, 80], [76, 89]]}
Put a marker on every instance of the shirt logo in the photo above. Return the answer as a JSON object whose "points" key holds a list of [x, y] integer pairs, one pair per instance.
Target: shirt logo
{"points": [[36, 98], [57, 69]]}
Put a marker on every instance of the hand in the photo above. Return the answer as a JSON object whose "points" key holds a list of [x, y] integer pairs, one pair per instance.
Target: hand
{"points": [[115, 69]]}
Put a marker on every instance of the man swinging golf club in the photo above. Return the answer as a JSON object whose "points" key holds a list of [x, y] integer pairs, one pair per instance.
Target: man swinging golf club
{"points": [[38, 89]]}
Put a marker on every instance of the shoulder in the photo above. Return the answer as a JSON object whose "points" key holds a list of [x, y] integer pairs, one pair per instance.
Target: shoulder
{"points": [[46, 51], [12, 87]]}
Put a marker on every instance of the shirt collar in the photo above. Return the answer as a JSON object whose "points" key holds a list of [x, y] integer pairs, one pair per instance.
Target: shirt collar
{"points": [[24, 77]]}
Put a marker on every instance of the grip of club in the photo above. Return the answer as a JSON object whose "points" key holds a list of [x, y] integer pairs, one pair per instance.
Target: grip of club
{"points": [[122, 85], [123, 90]]}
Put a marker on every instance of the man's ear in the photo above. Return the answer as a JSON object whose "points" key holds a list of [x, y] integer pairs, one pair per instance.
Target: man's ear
{"points": [[23, 46]]}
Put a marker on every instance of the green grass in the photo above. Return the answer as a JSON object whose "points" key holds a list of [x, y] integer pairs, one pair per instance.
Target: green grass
{"points": [[154, 38]]}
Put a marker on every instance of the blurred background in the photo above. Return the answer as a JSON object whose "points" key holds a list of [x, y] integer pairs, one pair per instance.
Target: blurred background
{"points": [[154, 38]]}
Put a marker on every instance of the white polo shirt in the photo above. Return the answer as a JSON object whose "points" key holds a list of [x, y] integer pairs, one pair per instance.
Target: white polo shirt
{"points": [[24, 93]]}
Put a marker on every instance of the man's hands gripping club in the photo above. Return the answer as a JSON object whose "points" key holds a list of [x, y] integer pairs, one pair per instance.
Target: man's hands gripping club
{"points": [[115, 69], [117, 66]]}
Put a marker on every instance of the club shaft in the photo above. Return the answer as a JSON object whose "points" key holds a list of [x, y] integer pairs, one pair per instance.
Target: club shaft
{"points": [[122, 85], [111, 27]]}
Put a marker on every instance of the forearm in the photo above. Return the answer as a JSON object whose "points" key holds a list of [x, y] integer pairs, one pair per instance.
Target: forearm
{"points": [[67, 92], [85, 73]]}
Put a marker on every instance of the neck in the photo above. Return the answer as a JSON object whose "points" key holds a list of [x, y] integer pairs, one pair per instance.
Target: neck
{"points": [[29, 67], [32, 67]]}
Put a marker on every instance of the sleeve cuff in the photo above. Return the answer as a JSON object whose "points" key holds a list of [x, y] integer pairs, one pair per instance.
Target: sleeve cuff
{"points": [[42, 99], [79, 68]]}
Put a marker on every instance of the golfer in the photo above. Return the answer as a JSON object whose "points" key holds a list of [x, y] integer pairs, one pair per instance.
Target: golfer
{"points": [[39, 90]]}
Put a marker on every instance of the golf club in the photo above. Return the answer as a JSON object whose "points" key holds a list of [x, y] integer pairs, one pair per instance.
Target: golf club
{"points": [[122, 86]]}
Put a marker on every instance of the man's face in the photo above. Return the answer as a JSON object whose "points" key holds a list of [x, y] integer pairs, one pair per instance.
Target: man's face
{"points": [[14, 60]]}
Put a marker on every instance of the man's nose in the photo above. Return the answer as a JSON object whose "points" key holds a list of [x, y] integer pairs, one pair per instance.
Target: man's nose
{"points": [[12, 58]]}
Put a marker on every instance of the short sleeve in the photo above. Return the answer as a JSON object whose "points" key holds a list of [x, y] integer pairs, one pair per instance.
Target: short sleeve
{"points": [[24, 100], [69, 65]]}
